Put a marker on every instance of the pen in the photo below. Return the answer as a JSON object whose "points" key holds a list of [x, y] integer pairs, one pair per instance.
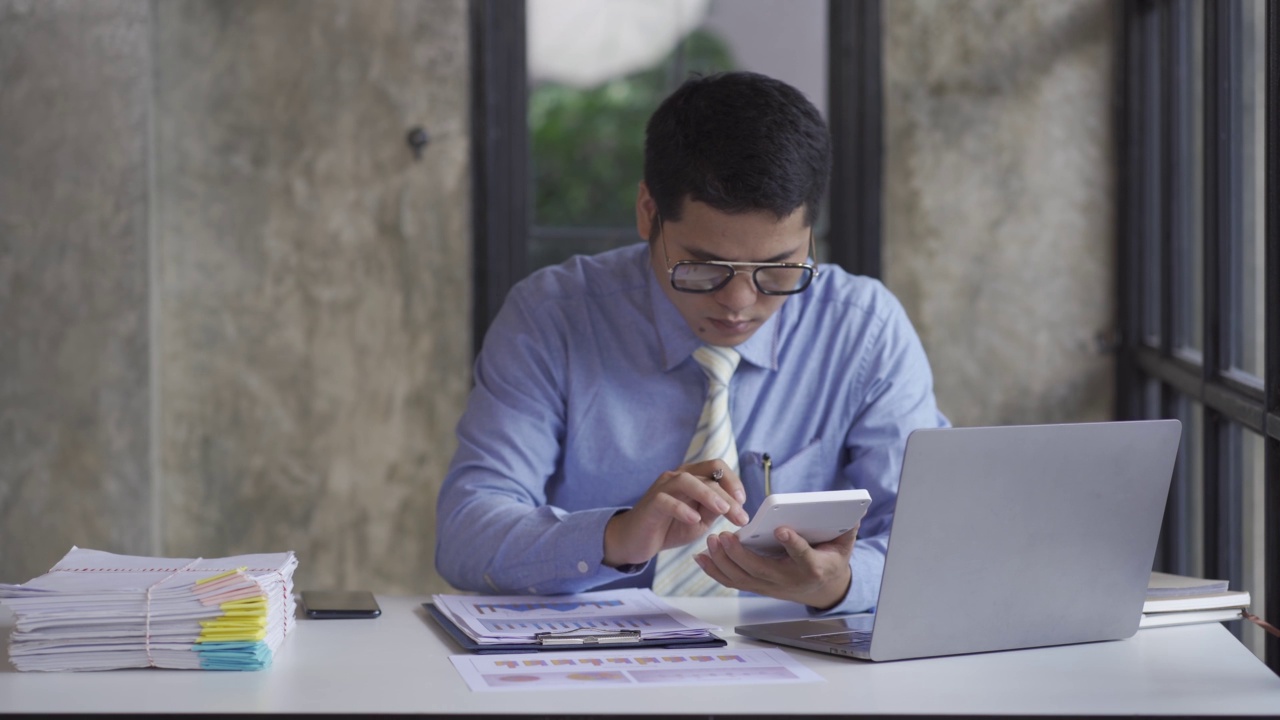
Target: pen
{"points": [[768, 465]]}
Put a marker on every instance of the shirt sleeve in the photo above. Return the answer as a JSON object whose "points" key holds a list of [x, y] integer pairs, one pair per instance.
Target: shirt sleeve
{"points": [[895, 383], [495, 531]]}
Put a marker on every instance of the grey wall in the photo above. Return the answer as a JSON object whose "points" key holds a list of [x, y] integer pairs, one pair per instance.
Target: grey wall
{"points": [[235, 309], [74, 339], [999, 230]]}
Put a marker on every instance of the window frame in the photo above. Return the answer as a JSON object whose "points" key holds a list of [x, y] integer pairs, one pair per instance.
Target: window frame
{"points": [[1156, 187], [500, 197]]}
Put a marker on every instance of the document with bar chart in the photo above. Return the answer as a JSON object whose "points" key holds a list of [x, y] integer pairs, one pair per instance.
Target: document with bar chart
{"points": [[600, 617], [630, 668]]}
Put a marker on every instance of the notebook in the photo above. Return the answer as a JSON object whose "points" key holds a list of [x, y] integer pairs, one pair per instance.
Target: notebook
{"points": [[1010, 537]]}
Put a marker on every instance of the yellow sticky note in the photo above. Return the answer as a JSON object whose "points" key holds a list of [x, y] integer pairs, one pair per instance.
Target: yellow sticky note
{"points": [[219, 576]]}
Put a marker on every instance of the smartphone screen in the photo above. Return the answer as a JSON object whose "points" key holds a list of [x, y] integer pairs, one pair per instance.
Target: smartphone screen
{"points": [[336, 604]]}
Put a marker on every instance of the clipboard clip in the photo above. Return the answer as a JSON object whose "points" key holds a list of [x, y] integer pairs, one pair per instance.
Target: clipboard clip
{"points": [[567, 637]]}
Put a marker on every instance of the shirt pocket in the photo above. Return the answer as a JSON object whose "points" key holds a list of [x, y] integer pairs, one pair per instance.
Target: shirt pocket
{"points": [[804, 471]]}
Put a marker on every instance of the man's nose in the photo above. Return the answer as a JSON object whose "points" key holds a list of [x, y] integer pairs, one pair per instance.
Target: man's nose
{"points": [[739, 294]]}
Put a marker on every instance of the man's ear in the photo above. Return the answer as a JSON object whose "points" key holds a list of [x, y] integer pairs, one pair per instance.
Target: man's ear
{"points": [[646, 211]]}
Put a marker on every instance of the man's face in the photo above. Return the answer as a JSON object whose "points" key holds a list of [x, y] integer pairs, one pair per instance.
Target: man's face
{"points": [[732, 314]]}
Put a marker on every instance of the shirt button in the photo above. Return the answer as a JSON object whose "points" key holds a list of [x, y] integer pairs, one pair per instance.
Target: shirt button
{"points": [[582, 566]]}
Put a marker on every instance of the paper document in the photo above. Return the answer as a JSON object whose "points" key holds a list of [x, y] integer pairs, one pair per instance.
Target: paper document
{"points": [[1164, 585], [1188, 617], [1208, 601], [630, 668], [500, 619], [1185, 600], [1178, 593], [96, 610]]}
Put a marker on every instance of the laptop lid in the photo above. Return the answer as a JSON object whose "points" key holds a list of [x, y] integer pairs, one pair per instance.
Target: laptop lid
{"points": [[1021, 536]]}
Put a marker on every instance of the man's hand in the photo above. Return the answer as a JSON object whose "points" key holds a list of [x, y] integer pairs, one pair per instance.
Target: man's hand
{"points": [[817, 576], [678, 509]]}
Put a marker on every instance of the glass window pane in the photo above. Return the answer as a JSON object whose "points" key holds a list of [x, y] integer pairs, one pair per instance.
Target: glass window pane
{"points": [[598, 69], [1246, 350], [1153, 220], [1152, 407], [596, 72], [1185, 553], [1193, 435], [1189, 303], [1253, 525], [1152, 289], [1187, 491]]}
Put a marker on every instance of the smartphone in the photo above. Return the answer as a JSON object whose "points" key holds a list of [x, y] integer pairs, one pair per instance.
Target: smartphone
{"points": [[336, 604], [818, 517]]}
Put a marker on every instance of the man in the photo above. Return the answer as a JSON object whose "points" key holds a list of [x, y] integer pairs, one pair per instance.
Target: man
{"points": [[575, 470]]}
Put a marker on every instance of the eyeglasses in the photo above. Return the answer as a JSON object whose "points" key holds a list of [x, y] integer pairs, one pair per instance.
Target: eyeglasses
{"points": [[708, 276]]}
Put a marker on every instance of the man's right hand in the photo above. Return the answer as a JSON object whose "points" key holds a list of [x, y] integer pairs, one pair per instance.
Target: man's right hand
{"points": [[678, 509]]}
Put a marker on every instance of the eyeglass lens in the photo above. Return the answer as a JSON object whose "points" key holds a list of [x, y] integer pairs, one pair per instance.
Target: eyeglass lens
{"points": [[771, 280]]}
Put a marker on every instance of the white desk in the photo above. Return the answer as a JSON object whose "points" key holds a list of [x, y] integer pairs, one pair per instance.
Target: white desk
{"points": [[399, 664]]}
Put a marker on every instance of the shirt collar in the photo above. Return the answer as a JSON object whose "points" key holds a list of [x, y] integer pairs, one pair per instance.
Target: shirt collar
{"points": [[677, 340]]}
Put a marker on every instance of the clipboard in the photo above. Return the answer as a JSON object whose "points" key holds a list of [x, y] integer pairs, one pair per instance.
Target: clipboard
{"points": [[558, 641]]}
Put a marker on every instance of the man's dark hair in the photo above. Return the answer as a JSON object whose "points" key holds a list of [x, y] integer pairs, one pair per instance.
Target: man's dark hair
{"points": [[739, 142]]}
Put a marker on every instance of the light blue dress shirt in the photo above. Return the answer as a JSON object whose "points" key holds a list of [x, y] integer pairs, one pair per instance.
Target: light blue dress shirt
{"points": [[586, 391]]}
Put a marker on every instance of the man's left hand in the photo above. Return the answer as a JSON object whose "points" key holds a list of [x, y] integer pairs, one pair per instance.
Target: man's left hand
{"points": [[816, 575]]}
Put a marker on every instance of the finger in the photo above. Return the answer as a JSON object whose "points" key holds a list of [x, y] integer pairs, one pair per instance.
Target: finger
{"points": [[732, 484], [693, 491], [727, 479], [678, 511], [747, 568], [812, 556], [709, 567], [728, 571], [797, 548], [707, 494], [729, 487], [842, 544]]}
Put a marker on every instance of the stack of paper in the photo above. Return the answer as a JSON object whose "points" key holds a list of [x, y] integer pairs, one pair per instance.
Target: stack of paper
{"points": [[1182, 600], [100, 611], [500, 620], [1167, 585]]}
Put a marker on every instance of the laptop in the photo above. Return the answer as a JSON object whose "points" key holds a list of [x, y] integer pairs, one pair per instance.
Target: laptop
{"points": [[1010, 537]]}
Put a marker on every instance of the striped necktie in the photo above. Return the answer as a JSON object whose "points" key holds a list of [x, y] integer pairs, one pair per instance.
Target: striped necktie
{"points": [[677, 573]]}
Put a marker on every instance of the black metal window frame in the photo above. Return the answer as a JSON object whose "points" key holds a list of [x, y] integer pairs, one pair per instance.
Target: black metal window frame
{"points": [[502, 222], [500, 202], [1156, 373]]}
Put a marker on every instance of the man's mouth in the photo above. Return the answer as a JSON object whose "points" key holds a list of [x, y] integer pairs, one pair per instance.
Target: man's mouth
{"points": [[732, 326]]}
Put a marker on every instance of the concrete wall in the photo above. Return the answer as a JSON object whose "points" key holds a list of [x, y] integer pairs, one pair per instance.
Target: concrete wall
{"points": [[999, 209], [235, 308], [74, 339]]}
